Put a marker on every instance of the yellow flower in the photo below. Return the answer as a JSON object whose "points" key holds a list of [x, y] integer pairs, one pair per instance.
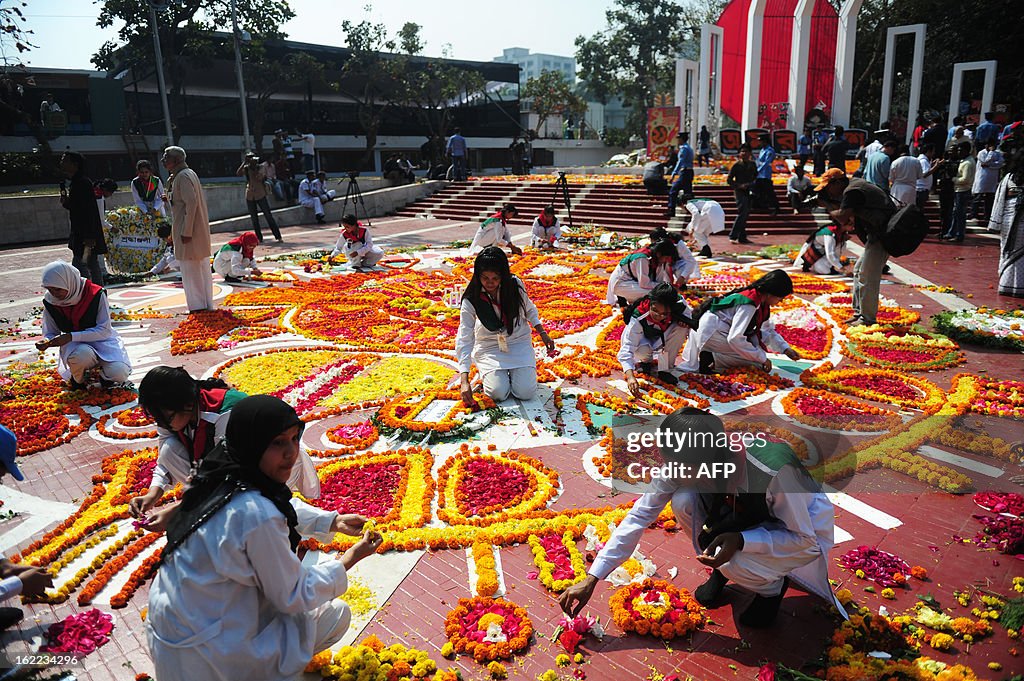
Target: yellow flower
{"points": [[844, 596], [859, 574], [549, 675], [995, 666], [889, 594], [563, 660], [448, 650], [578, 658], [497, 670], [942, 642]]}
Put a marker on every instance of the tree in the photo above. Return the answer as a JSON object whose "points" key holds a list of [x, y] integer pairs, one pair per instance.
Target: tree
{"points": [[944, 46], [266, 77], [551, 94], [14, 36], [433, 89], [187, 34], [373, 75], [634, 56]]}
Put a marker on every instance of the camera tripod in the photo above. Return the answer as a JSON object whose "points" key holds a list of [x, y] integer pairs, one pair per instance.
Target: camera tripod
{"points": [[562, 185], [354, 194]]}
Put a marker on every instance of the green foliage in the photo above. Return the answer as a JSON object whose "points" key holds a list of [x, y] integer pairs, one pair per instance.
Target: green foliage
{"points": [[24, 169], [634, 55], [551, 94], [266, 77], [616, 137]]}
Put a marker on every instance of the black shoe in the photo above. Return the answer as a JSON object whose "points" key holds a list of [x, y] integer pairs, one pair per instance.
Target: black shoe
{"points": [[708, 593], [232, 280], [279, 240], [320, 220], [706, 252], [707, 362], [666, 377], [75, 385], [9, 617], [745, 240], [886, 269], [645, 368], [762, 611], [805, 267]]}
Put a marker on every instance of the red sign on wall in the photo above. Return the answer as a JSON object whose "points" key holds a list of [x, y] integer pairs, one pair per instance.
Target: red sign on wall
{"points": [[662, 129]]}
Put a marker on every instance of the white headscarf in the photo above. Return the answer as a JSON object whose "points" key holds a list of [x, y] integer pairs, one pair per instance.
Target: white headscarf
{"points": [[60, 274]]}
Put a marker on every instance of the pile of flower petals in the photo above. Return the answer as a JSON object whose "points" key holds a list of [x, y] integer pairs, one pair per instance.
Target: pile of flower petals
{"points": [[79, 634], [878, 566]]}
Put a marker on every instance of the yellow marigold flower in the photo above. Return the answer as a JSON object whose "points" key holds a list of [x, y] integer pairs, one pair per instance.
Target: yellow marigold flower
{"points": [[497, 670], [942, 642], [549, 675], [844, 596], [995, 666], [563, 660], [889, 594], [448, 650], [859, 574], [578, 658]]}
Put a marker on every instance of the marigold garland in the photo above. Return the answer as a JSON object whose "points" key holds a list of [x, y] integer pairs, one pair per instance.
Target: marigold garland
{"points": [[833, 412], [877, 385], [658, 608], [558, 560], [482, 489], [486, 569], [399, 414]]}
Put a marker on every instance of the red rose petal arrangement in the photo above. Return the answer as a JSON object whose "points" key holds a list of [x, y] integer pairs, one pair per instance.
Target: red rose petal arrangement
{"points": [[481, 489], [881, 567], [488, 628], [878, 385], [903, 356], [558, 560], [1001, 502], [825, 410], [79, 634], [658, 608], [354, 435], [1004, 534], [133, 418]]}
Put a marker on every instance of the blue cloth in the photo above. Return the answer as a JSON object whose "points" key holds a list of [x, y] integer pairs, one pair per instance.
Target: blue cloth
{"points": [[456, 145], [876, 171], [951, 132], [803, 145], [822, 136], [764, 162], [985, 132], [685, 161]]}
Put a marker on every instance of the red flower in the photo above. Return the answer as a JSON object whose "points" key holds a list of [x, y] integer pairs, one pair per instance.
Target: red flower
{"points": [[569, 640]]}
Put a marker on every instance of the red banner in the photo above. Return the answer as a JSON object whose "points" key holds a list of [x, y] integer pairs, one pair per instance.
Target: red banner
{"points": [[662, 130]]}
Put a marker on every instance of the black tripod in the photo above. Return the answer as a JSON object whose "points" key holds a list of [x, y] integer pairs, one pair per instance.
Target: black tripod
{"points": [[354, 194], [561, 184]]}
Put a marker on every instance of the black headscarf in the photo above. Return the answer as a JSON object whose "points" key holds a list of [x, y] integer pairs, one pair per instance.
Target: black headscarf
{"points": [[233, 467]]}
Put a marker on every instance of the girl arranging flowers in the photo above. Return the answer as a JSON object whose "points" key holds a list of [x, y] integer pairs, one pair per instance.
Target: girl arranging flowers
{"points": [[357, 244], [779, 527], [494, 232], [823, 251], [494, 331], [638, 273], [735, 330], [236, 260], [231, 598], [76, 319], [547, 231], [655, 332], [191, 418]]}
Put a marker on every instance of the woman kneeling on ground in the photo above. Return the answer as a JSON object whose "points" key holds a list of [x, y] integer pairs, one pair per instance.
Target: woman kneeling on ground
{"points": [[494, 331], [231, 599], [76, 319]]}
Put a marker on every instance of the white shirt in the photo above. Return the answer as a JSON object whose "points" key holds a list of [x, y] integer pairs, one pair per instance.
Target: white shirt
{"points": [[356, 248], [986, 174], [801, 535], [308, 144], [102, 338], [232, 263], [158, 201], [798, 185], [686, 266], [235, 594], [637, 270], [542, 235], [737, 319], [707, 216], [476, 345], [633, 338], [924, 184], [492, 232], [904, 174]]}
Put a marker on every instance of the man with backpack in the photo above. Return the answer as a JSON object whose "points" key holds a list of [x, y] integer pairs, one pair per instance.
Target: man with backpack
{"points": [[869, 210]]}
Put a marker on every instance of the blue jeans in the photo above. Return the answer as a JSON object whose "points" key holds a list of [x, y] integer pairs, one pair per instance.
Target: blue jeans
{"points": [[958, 223], [685, 183], [460, 168]]}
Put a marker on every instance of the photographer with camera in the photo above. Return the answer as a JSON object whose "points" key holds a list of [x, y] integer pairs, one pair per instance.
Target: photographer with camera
{"points": [[86, 236], [256, 194]]}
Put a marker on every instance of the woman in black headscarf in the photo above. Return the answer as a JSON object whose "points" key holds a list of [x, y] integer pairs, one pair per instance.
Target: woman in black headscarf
{"points": [[231, 599], [735, 329]]}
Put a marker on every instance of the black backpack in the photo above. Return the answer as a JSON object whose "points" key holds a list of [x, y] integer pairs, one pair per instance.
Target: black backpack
{"points": [[906, 230]]}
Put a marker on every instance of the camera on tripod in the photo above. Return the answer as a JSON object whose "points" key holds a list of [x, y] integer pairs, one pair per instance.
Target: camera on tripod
{"points": [[353, 174]]}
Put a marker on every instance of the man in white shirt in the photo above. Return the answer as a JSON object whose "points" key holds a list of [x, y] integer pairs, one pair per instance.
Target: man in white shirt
{"points": [[309, 196], [928, 167], [308, 142], [16, 579], [759, 526], [47, 107], [904, 174], [798, 189]]}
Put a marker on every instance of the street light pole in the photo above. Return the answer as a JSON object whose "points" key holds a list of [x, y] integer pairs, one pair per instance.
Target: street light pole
{"points": [[160, 72], [246, 140]]}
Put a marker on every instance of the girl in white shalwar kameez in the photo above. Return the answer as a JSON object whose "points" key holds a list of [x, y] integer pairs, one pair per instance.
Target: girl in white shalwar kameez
{"points": [[822, 253], [191, 418], [638, 273], [758, 542], [494, 331], [357, 244], [494, 231], [231, 600], [76, 319], [686, 266], [653, 336], [736, 330], [547, 231], [706, 218]]}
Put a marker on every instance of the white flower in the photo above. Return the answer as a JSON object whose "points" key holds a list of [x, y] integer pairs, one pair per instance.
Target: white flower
{"points": [[494, 634]]}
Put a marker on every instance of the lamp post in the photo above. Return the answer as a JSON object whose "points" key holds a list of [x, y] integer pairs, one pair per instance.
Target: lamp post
{"points": [[241, 82], [154, 5]]}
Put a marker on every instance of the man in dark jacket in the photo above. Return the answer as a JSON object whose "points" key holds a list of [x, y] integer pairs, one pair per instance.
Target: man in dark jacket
{"points": [[836, 149], [868, 208], [86, 237]]}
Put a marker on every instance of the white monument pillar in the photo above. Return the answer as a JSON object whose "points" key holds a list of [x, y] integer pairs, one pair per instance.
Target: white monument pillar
{"points": [[710, 75], [687, 96], [988, 89], [798, 62], [918, 31], [752, 67], [846, 43]]}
